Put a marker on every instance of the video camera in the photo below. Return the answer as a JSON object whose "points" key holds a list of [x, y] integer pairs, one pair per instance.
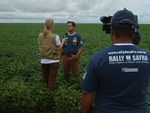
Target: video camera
{"points": [[107, 28]]}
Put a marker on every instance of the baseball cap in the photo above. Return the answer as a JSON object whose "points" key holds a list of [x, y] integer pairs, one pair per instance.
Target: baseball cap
{"points": [[123, 18]]}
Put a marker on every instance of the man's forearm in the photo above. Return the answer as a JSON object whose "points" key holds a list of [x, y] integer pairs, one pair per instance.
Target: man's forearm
{"points": [[79, 51], [87, 99]]}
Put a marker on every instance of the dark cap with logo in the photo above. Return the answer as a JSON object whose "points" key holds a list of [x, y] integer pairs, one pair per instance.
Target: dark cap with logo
{"points": [[124, 18]]}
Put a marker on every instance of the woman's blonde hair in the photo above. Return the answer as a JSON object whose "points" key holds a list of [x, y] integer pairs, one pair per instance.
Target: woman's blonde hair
{"points": [[49, 24]]}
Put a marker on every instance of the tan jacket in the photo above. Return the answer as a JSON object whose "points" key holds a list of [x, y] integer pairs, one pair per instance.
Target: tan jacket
{"points": [[47, 47]]}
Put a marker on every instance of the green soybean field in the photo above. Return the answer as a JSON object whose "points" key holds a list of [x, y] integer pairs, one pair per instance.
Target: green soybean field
{"points": [[21, 89]]}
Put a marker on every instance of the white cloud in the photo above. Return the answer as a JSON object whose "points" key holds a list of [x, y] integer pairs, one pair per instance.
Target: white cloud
{"points": [[63, 10]]}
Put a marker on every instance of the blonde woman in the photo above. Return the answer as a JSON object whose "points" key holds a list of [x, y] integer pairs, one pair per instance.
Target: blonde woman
{"points": [[49, 54]]}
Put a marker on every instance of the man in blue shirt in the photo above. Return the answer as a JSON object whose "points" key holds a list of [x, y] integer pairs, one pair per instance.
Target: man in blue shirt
{"points": [[72, 49], [117, 77]]}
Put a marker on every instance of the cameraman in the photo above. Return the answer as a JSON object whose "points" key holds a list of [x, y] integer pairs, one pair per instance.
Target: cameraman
{"points": [[117, 77]]}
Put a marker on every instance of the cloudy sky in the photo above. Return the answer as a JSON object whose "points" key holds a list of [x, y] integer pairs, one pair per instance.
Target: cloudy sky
{"points": [[82, 11]]}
